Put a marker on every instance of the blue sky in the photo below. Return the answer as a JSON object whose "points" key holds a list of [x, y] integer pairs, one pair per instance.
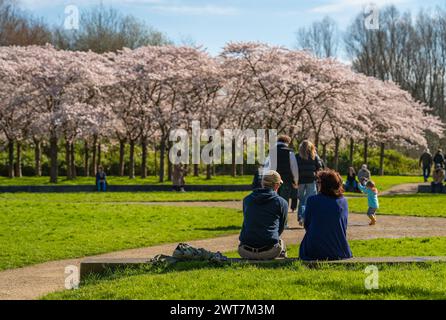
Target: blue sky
{"points": [[212, 23]]}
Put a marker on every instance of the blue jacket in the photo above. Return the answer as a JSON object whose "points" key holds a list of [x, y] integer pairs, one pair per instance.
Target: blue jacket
{"points": [[372, 197], [264, 216], [326, 229]]}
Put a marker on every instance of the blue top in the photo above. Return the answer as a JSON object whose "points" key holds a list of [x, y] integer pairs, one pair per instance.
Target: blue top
{"points": [[326, 229], [372, 197], [264, 216]]}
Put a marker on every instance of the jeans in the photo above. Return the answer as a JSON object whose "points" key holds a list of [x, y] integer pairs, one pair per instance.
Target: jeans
{"points": [[102, 186], [426, 173], [304, 192], [285, 192], [351, 186]]}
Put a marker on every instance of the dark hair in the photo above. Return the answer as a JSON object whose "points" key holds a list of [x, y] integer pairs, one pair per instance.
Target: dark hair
{"points": [[284, 138], [331, 183]]}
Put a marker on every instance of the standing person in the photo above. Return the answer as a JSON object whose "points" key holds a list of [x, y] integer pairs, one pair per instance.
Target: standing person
{"points": [[326, 221], [439, 159], [101, 179], [364, 174], [309, 164], [372, 199], [439, 176], [178, 180], [351, 185], [426, 161], [264, 218], [286, 166]]}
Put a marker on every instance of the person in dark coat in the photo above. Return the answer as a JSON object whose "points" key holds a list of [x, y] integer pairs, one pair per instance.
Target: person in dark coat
{"points": [[439, 176], [351, 185], [264, 218], [426, 162], [326, 220], [439, 159]]}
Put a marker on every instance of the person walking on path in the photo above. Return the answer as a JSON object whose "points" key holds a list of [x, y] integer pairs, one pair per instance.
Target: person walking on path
{"points": [[285, 164], [178, 180], [372, 199], [364, 174], [101, 179], [264, 218], [309, 164], [439, 159], [426, 162], [439, 176], [326, 220]]}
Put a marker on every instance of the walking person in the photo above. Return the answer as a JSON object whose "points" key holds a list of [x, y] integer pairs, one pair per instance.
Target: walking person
{"points": [[439, 159], [426, 161], [264, 218], [101, 179], [178, 180], [309, 164], [372, 199]]}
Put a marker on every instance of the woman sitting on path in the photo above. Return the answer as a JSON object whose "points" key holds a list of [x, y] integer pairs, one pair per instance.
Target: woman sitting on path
{"points": [[326, 219]]}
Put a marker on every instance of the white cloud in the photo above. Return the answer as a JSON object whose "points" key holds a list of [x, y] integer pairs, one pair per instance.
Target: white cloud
{"points": [[343, 5]]}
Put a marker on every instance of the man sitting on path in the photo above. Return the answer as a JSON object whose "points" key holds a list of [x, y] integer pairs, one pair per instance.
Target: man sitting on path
{"points": [[264, 217]]}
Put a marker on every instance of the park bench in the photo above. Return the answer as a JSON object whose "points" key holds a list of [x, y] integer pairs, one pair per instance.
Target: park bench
{"points": [[99, 266]]}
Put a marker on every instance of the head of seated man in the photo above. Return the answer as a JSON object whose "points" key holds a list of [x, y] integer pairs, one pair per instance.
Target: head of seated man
{"points": [[264, 218]]}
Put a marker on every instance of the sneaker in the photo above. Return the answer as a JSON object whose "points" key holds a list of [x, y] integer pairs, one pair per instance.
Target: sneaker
{"points": [[372, 220]]}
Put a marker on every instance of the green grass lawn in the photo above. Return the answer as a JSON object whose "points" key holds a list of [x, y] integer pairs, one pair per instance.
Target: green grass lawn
{"points": [[94, 197], [201, 180], [383, 183], [423, 205], [290, 281], [33, 232]]}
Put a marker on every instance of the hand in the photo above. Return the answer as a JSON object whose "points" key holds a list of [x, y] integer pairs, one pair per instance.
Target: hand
{"points": [[295, 185]]}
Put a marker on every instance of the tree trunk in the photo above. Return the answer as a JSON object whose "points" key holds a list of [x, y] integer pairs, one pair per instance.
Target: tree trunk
{"points": [[162, 155], [144, 158], [352, 150], [155, 159], [54, 170], [11, 159], [86, 159], [336, 154], [381, 159], [99, 156], [132, 160], [208, 172], [121, 157], [18, 163], [196, 170], [324, 153], [169, 166], [242, 170], [93, 162], [38, 158], [68, 159], [234, 166], [366, 151], [73, 161]]}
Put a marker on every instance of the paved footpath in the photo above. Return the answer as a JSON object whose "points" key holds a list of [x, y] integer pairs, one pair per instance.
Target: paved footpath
{"points": [[35, 281]]}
